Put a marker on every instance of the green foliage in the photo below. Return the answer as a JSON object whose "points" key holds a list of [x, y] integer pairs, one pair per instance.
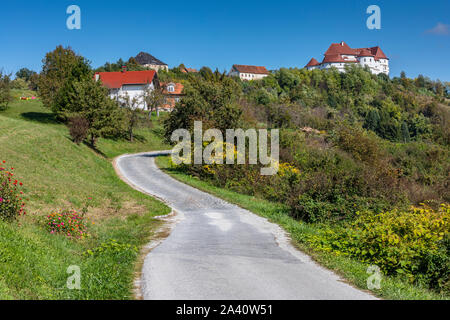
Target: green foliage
{"points": [[19, 84], [212, 101], [61, 67], [381, 104], [5, 91], [88, 99], [131, 65], [25, 74], [112, 247], [411, 243]]}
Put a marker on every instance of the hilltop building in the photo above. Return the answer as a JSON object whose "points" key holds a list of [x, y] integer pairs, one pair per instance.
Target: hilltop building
{"points": [[248, 72], [148, 61], [339, 55]]}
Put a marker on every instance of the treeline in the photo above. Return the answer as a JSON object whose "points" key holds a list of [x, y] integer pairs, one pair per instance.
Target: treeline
{"points": [[398, 109]]}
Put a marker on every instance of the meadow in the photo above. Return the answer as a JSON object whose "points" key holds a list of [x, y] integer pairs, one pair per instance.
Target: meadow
{"points": [[59, 175]]}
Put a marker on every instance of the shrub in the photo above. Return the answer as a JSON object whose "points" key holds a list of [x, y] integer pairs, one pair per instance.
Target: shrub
{"points": [[11, 201], [19, 84], [413, 243], [67, 222], [111, 247], [78, 129]]}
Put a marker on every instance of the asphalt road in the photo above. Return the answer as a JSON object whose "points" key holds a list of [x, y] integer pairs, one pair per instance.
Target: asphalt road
{"points": [[220, 251]]}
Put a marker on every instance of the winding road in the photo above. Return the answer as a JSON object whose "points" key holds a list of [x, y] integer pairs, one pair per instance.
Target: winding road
{"points": [[220, 251]]}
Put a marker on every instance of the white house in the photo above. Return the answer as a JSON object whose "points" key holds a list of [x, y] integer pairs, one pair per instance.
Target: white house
{"points": [[248, 72], [128, 83], [339, 55]]}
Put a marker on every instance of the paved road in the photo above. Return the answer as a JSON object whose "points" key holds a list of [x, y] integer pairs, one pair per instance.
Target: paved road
{"points": [[220, 251]]}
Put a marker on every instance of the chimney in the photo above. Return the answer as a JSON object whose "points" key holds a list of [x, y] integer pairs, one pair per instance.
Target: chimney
{"points": [[342, 43]]}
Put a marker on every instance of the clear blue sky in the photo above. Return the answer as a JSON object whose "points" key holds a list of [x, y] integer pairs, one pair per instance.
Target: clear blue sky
{"points": [[415, 34]]}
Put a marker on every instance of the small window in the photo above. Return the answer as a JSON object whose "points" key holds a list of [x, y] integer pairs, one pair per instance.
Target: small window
{"points": [[170, 89]]}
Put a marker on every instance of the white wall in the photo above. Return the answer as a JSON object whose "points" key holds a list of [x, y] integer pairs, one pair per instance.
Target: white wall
{"points": [[249, 76], [133, 91]]}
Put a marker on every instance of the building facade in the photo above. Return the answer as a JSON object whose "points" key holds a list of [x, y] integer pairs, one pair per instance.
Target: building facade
{"points": [[173, 93], [339, 55], [148, 61], [248, 73], [132, 84]]}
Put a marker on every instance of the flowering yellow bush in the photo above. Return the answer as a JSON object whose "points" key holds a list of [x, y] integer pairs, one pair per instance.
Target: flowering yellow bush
{"points": [[286, 169], [397, 241]]}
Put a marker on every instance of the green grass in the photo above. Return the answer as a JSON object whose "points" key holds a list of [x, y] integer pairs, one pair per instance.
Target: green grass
{"points": [[59, 174], [353, 271]]}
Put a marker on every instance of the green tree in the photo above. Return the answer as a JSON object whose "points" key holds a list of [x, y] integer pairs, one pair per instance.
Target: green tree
{"points": [[60, 67], [132, 112], [88, 99], [372, 120], [25, 74], [213, 102], [154, 99], [405, 133], [5, 90]]}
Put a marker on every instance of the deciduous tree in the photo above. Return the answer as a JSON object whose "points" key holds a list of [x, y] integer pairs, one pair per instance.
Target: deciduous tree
{"points": [[60, 67]]}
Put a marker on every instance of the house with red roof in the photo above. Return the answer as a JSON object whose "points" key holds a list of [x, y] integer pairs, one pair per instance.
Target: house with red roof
{"points": [[340, 54], [248, 73], [173, 93], [129, 83]]}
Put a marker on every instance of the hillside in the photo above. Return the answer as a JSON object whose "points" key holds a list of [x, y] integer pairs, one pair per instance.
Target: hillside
{"points": [[58, 174], [363, 158]]}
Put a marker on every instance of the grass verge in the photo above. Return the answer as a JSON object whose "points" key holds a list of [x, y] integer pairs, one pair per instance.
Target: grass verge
{"points": [[59, 174], [353, 271]]}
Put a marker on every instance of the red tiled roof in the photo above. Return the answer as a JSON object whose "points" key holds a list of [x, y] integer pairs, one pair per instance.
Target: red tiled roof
{"points": [[189, 70], [365, 53], [379, 54], [312, 63], [250, 69], [115, 80], [177, 86], [375, 51], [339, 48], [334, 58]]}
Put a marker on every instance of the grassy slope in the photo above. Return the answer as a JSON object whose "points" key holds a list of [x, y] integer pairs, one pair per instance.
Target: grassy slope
{"points": [[59, 174], [353, 271]]}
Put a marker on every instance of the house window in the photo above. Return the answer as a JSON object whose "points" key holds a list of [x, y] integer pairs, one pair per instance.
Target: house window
{"points": [[170, 89]]}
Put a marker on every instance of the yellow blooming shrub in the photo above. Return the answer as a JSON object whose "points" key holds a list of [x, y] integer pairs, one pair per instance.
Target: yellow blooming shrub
{"points": [[407, 242]]}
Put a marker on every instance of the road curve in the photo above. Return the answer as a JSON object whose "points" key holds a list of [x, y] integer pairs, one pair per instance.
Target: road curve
{"points": [[220, 251]]}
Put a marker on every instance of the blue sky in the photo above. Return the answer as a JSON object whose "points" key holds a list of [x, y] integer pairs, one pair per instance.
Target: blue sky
{"points": [[414, 34]]}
